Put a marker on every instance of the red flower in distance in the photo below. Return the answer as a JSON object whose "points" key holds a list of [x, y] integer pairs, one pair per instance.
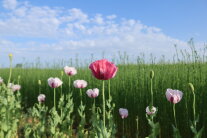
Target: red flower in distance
{"points": [[103, 69]]}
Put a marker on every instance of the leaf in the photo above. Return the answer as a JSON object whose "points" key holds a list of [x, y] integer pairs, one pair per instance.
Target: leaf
{"points": [[176, 133]]}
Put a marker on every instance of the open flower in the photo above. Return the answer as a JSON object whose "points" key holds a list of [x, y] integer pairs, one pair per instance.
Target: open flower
{"points": [[174, 96], [15, 88], [80, 83], [1, 80], [151, 111], [54, 82], [103, 69], [92, 93], [123, 113], [41, 98], [70, 71]]}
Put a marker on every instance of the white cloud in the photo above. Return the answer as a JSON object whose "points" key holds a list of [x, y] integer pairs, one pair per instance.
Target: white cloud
{"points": [[9, 4], [111, 17], [73, 30], [98, 19]]}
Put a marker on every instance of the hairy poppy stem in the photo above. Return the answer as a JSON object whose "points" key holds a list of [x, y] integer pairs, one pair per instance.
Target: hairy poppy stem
{"points": [[39, 83], [109, 86], [151, 92], [151, 89], [54, 98], [10, 68], [61, 93], [81, 94], [104, 120], [194, 113], [151, 78], [174, 115], [123, 127], [69, 83]]}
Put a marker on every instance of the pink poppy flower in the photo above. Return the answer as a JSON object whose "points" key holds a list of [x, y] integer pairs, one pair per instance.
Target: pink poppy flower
{"points": [[174, 96], [103, 69], [123, 113], [92, 93], [151, 111], [1, 80], [54, 82], [80, 84], [41, 98], [15, 88], [70, 71]]}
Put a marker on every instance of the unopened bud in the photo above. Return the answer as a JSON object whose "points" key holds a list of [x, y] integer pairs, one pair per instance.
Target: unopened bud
{"points": [[152, 74], [191, 86], [39, 82]]}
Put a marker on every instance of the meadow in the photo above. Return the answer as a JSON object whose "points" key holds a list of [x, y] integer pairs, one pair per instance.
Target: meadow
{"points": [[130, 89]]}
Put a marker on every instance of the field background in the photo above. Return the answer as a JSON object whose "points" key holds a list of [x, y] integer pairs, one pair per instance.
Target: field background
{"points": [[130, 89]]}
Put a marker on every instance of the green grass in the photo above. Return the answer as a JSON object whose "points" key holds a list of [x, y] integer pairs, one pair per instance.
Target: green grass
{"points": [[130, 89]]}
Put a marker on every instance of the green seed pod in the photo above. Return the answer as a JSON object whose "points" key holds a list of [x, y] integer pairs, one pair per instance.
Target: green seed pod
{"points": [[39, 82], [191, 86], [19, 77], [152, 74]]}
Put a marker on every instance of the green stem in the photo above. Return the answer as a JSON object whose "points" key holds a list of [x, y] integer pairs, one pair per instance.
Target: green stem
{"points": [[61, 89], [39, 89], [61, 93], [94, 105], [69, 83], [123, 127], [54, 98], [194, 114], [104, 119], [109, 87], [18, 81], [174, 115], [81, 94], [10, 71], [151, 92], [151, 96], [137, 120]]}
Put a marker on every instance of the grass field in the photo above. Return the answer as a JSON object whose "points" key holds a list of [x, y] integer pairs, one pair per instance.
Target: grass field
{"points": [[129, 89]]}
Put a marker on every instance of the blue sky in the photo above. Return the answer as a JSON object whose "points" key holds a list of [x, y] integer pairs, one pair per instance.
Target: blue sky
{"points": [[182, 19], [65, 28]]}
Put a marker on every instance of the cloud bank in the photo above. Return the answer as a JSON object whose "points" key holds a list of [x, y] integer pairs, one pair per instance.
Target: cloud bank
{"points": [[48, 32]]}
